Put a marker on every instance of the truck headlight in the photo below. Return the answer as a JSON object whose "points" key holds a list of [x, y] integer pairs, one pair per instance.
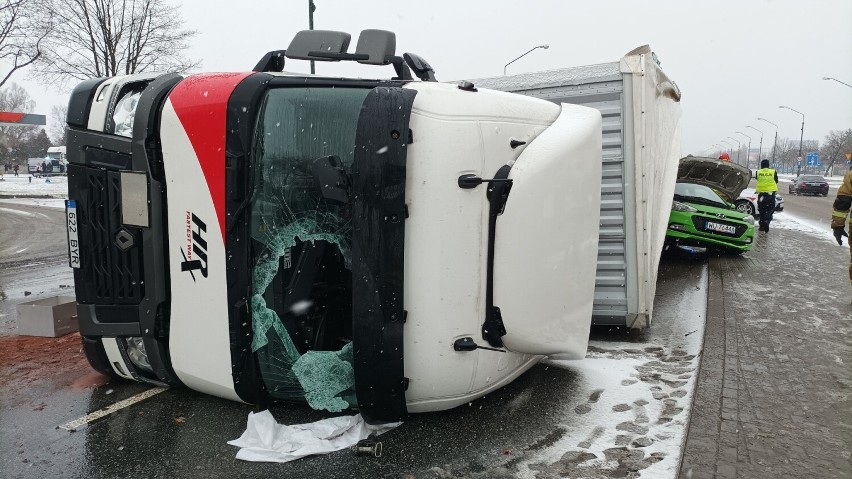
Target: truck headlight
{"points": [[678, 206], [137, 354]]}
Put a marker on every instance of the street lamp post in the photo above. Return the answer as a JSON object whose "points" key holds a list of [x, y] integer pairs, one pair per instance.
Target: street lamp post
{"points": [[738, 148], [760, 149], [525, 54], [775, 143], [748, 150], [727, 143], [838, 81], [801, 137], [311, 8]]}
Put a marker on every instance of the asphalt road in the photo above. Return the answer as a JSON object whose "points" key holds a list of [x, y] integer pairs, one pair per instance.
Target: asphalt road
{"points": [[32, 255], [813, 208], [180, 433]]}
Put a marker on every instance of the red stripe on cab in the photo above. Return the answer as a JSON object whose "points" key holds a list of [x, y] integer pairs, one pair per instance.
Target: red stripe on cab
{"points": [[201, 104]]}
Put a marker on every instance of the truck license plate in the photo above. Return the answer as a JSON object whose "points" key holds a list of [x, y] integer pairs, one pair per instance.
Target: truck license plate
{"points": [[73, 241], [730, 229]]}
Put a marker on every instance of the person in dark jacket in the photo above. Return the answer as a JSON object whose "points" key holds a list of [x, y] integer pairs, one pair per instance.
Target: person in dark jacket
{"points": [[767, 186]]}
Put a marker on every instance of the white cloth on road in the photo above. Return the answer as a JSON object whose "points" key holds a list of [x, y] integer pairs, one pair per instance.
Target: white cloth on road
{"points": [[267, 441]]}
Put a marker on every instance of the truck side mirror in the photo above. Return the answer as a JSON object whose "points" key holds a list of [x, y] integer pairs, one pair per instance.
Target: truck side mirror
{"points": [[330, 179]]}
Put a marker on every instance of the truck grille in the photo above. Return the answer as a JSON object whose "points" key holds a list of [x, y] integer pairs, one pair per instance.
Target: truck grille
{"points": [[108, 275]]}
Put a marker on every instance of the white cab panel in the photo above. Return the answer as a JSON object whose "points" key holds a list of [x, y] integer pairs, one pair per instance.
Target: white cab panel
{"points": [[545, 254], [199, 338], [459, 132]]}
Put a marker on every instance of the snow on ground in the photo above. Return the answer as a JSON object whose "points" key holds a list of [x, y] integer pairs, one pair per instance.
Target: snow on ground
{"points": [[634, 410], [27, 186], [787, 221], [57, 203]]}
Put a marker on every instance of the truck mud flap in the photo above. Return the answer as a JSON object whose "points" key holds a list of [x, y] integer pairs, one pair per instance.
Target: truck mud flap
{"points": [[378, 241]]}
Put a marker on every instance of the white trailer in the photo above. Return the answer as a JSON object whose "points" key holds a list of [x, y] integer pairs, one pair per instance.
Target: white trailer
{"points": [[640, 107]]}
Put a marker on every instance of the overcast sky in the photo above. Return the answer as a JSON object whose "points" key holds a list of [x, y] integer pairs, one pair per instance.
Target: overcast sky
{"points": [[733, 60]]}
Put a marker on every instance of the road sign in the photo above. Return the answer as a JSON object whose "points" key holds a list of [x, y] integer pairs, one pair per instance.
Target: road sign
{"points": [[813, 159]]}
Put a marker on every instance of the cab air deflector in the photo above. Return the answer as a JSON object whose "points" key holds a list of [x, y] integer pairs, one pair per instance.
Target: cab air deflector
{"points": [[378, 239]]}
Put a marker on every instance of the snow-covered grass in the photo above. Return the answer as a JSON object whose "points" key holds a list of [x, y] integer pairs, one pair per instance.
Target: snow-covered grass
{"points": [[26, 186]]}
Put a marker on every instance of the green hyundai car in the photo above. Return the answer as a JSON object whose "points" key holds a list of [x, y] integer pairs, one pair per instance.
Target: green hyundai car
{"points": [[702, 210]]}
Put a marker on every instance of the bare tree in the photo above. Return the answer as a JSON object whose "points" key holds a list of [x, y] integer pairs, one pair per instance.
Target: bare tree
{"points": [[57, 122], [23, 28], [96, 38], [15, 98], [14, 138], [837, 144]]}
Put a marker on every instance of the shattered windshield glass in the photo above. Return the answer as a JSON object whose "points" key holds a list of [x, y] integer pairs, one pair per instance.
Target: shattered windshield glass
{"points": [[301, 281]]}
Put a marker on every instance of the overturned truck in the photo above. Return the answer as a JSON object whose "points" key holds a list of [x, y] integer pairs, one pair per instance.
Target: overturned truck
{"points": [[640, 108], [392, 245]]}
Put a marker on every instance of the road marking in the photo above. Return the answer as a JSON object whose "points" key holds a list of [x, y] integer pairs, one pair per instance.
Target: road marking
{"points": [[75, 424], [17, 212]]}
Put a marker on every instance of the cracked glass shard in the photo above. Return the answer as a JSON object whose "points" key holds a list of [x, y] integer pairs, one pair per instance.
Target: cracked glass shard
{"points": [[301, 262]]}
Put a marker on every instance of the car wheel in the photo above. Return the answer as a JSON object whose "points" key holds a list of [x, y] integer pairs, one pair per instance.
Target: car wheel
{"points": [[745, 206]]}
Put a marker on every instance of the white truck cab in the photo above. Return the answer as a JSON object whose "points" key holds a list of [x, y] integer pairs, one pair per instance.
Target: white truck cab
{"points": [[392, 245]]}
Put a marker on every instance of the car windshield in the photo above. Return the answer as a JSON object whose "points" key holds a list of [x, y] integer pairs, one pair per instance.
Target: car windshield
{"points": [[301, 241], [813, 178], [691, 192]]}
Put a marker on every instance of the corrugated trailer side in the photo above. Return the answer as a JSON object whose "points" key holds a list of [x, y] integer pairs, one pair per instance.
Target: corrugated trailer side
{"points": [[641, 145]]}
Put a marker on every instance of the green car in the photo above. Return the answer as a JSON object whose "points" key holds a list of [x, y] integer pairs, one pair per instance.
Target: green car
{"points": [[702, 212]]}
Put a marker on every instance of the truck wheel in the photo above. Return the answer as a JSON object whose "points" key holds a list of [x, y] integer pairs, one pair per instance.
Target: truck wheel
{"points": [[97, 357]]}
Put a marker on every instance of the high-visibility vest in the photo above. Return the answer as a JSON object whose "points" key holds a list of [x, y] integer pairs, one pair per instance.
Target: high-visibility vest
{"points": [[766, 181]]}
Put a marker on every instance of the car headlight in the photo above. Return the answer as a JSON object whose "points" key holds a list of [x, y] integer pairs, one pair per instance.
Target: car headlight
{"points": [[678, 206], [137, 354], [749, 219]]}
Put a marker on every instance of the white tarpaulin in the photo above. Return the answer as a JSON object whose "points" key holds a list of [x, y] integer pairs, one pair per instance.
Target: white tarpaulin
{"points": [[267, 441]]}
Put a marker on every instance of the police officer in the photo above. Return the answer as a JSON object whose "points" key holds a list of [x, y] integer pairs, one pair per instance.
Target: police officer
{"points": [[767, 185], [842, 205]]}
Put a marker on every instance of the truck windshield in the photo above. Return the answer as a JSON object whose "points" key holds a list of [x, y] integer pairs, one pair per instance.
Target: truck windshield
{"points": [[301, 279]]}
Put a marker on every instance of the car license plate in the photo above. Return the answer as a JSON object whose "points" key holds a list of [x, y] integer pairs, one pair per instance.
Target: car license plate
{"points": [[73, 241], [718, 227]]}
